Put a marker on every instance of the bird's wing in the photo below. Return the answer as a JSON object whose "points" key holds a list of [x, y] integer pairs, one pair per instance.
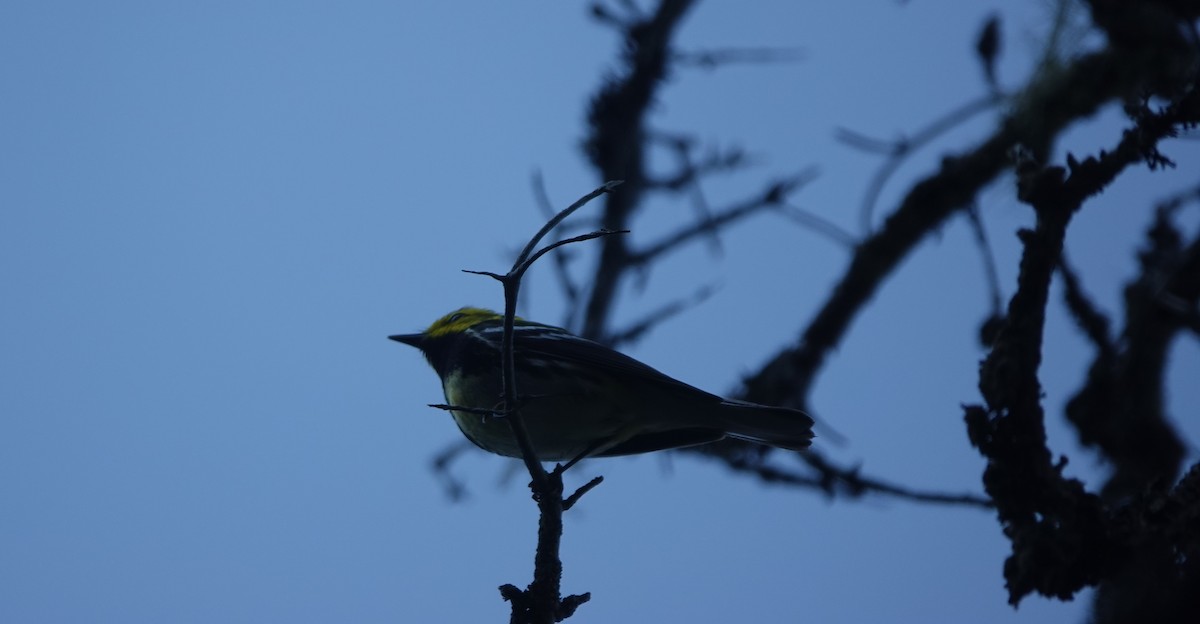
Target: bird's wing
{"points": [[554, 344]]}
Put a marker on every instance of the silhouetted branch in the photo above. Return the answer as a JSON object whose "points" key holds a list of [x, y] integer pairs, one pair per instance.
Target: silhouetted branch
{"points": [[989, 259], [541, 601], [1094, 323], [689, 171], [656, 317], [1061, 537], [528, 255], [820, 225], [987, 47], [570, 501], [616, 142], [713, 58], [1186, 311], [832, 480], [607, 17], [1010, 430], [480, 411], [566, 284], [901, 149], [1138, 26], [1134, 432], [852, 481], [454, 487], [772, 197], [870, 144], [1035, 121]]}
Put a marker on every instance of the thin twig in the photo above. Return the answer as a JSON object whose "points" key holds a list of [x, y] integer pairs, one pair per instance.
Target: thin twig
{"points": [[689, 172], [1061, 533], [1094, 323], [989, 259], [901, 149], [574, 239], [656, 317], [456, 490], [829, 478], [713, 58], [617, 119], [482, 411], [772, 197], [541, 601], [820, 225], [570, 501], [607, 187], [569, 289], [1035, 122], [704, 211], [870, 144]]}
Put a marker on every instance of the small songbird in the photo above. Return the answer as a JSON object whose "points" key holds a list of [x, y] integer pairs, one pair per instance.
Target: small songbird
{"points": [[579, 398]]}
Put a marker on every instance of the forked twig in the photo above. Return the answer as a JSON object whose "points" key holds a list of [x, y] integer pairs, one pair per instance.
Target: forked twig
{"points": [[541, 601]]}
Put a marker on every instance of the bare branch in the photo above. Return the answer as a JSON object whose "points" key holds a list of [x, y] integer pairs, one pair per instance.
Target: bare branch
{"points": [[901, 149], [512, 287], [989, 259], [1087, 315], [832, 480], [1010, 431], [870, 144], [987, 47], [541, 601], [704, 212], [690, 171], [455, 489], [495, 276], [567, 241], [658, 316], [566, 285], [820, 225], [607, 17], [470, 410], [772, 197], [570, 501], [712, 59], [607, 187], [616, 143], [1037, 119], [1061, 533]]}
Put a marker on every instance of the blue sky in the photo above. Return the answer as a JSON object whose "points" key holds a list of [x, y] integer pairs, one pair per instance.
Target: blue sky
{"points": [[214, 213]]}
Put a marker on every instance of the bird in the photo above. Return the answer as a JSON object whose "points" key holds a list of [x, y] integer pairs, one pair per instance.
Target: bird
{"points": [[579, 398]]}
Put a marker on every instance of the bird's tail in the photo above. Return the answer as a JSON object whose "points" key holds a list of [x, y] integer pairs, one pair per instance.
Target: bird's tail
{"points": [[776, 426]]}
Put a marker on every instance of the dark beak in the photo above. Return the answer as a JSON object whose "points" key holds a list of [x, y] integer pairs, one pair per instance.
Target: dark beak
{"points": [[412, 340]]}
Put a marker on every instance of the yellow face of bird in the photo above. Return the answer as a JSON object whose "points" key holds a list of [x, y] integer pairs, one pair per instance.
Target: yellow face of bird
{"points": [[459, 321]]}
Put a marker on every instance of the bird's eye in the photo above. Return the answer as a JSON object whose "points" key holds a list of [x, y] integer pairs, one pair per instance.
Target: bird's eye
{"points": [[454, 317]]}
